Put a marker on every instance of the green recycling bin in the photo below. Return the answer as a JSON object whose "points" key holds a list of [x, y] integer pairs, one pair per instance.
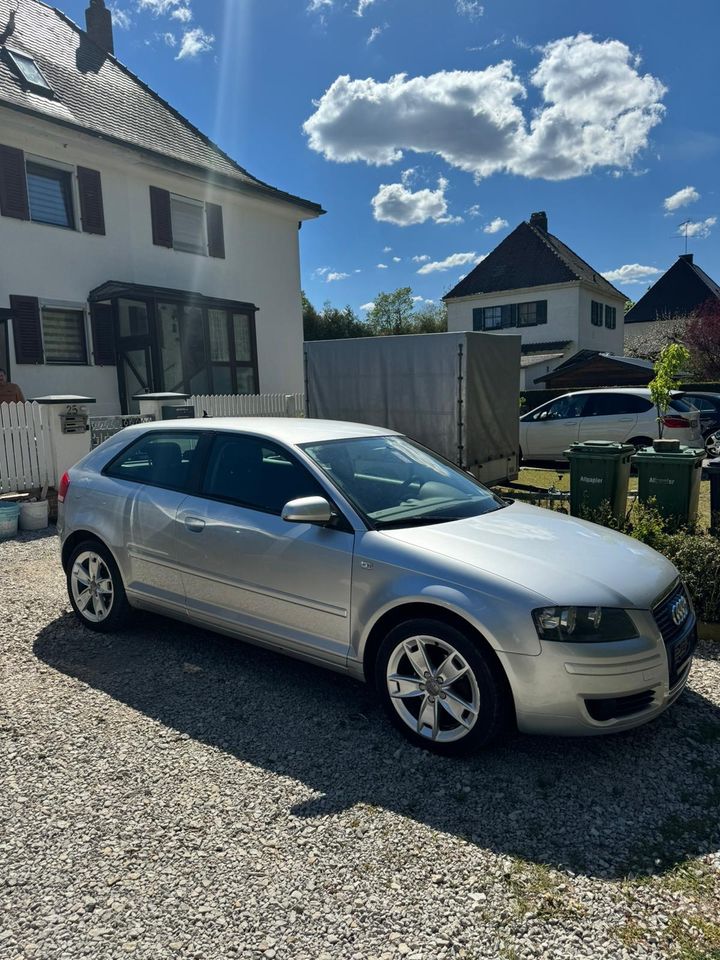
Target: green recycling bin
{"points": [[599, 474], [672, 479]]}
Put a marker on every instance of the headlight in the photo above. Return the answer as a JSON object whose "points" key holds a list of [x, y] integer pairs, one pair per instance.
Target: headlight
{"points": [[583, 624]]}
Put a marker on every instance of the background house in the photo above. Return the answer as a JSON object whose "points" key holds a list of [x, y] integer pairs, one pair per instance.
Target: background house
{"points": [[534, 285], [677, 293], [136, 255]]}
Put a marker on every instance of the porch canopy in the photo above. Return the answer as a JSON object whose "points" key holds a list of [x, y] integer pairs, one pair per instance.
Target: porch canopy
{"points": [[176, 340]]}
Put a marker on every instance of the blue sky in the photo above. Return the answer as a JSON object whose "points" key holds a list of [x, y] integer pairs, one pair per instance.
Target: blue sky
{"points": [[606, 115]]}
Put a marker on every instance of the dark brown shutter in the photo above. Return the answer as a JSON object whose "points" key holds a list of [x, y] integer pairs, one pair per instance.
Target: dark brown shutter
{"points": [[27, 331], [215, 232], [13, 186], [161, 217], [92, 212], [103, 334]]}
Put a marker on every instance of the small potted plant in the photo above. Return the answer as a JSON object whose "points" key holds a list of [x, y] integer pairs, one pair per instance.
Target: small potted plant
{"points": [[673, 358]]}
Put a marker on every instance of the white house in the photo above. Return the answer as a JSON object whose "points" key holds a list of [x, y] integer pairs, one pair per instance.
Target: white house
{"points": [[534, 285], [136, 255]]}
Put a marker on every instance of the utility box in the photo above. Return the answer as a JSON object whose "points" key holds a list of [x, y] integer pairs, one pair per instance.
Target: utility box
{"points": [[185, 412], [672, 480], [599, 474], [456, 393]]}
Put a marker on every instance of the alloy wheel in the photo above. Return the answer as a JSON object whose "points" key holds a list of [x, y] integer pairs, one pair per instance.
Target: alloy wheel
{"points": [[92, 586], [433, 688]]}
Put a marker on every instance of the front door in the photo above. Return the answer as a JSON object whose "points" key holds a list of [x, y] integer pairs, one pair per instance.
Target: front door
{"points": [[134, 354], [248, 570]]}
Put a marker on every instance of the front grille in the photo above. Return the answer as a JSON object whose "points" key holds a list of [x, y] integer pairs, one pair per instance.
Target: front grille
{"points": [[613, 708], [679, 638]]}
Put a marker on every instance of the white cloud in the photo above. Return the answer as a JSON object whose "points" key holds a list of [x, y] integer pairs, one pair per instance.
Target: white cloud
{"points": [[317, 5], [194, 42], [170, 39], [397, 259], [183, 14], [332, 277], [474, 211], [597, 110], [496, 225], [362, 7], [121, 18], [320, 271], [395, 203], [698, 228], [387, 249], [374, 34], [422, 300], [368, 306], [680, 199], [160, 7], [421, 258], [382, 266], [454, 260], [631, 273], [470, 8]]}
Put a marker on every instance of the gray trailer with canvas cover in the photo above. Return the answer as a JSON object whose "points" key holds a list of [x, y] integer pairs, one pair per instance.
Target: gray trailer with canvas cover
{"points": [[456, 393]]}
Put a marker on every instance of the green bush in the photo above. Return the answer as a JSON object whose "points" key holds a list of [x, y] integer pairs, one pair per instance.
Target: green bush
{"points": [[697, 557]]}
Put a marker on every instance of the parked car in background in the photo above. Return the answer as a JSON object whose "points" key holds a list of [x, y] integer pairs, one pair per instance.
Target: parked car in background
{"points": [[624, 414], [355, 548], [709, 406]]}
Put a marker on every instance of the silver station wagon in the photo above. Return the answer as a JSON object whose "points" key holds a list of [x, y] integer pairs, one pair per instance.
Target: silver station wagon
{"points": [[357, 549]]}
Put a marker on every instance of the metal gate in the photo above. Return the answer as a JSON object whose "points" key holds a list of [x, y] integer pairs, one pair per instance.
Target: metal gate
{"points": [[103, 427]]}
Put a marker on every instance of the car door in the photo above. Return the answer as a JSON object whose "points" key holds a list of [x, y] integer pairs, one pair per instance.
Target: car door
{"points": [[153, 476], [247, 570], [611, 416], [550, 429]]}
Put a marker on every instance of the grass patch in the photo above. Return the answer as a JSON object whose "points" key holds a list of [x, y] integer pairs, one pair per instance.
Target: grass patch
{"points": [[535, 889], [695, 937]]}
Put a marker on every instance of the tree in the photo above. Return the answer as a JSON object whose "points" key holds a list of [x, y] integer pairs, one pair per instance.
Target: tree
{"points": [[430, 318], [391, 312], [671, 362], [332, 323], [702, 337], [669, 328]]}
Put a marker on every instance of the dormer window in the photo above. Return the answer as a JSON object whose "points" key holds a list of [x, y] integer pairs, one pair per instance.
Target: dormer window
{"points": [[29, 71]]}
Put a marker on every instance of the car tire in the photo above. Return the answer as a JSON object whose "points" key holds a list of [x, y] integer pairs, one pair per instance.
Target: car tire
{"points": [[95, 588], [453, 717]]}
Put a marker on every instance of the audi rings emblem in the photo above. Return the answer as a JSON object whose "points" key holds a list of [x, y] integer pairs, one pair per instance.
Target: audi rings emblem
{"points": [[679, 610]]}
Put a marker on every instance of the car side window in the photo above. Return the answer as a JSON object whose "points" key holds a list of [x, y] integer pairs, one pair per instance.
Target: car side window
{"points": [[564, 408], [616, 404], [701, 403], [256, 473], [158, 459]]}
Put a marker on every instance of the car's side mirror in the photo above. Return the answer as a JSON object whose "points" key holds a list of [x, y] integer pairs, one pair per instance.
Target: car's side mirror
{"points": [[307, 510]]}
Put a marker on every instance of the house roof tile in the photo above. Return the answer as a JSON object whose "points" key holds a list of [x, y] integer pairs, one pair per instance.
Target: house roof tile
{"points": [[530, 257], [97, 94], [678, 291]]}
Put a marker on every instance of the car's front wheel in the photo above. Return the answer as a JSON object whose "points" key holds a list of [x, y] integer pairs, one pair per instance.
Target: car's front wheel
{"points": [[440, 688], [95, 587]]}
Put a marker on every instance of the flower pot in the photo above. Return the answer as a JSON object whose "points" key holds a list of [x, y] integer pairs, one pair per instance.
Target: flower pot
{"points": [[666, 446]]}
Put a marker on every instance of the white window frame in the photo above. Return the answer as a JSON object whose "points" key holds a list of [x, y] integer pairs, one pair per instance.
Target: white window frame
{"points": [[74, 195], [75, 307], [195, 203]]}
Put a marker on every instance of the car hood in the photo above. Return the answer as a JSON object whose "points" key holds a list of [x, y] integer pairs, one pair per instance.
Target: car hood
{"points": [[566, 560]]}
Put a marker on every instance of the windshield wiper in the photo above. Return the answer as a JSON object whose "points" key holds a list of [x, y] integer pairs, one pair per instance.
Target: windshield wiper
{"points": [[413, 521]]}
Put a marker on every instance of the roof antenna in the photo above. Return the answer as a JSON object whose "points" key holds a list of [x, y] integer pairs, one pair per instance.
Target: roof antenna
{"points": [[685, 224], [10, 26]]}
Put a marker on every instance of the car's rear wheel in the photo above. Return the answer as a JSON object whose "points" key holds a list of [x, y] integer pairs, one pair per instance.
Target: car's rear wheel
{"points": [[95, 587], [712, 444], [440, 688]]}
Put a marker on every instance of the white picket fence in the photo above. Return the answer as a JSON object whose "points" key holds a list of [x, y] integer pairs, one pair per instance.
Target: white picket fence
{"points": [[250, 405], [24, 457]]}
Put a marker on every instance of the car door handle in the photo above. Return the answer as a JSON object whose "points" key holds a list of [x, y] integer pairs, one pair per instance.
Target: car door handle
{"points": [[194, 524]]}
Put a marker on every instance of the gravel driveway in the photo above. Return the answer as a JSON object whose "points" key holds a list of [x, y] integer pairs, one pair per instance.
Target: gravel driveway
{"points": [[171, 793]]}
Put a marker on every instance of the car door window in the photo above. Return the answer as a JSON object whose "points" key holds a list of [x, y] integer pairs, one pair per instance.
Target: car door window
{"points": [[256, 473], [564, 408], [158, 459], [615, 405]]}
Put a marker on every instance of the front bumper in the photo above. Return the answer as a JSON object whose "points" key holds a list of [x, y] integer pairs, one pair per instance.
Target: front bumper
{"points": [[580, 689]]}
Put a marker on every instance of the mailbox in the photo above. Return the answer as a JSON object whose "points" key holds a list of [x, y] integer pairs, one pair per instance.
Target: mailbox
{"points": [[74, 420]]}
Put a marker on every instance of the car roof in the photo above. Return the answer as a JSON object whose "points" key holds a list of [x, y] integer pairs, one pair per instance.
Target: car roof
{"points": [[290, 430]]}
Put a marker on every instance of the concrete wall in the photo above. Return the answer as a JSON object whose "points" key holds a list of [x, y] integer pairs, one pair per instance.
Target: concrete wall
{"points": [[61, 266], [600, 338]]}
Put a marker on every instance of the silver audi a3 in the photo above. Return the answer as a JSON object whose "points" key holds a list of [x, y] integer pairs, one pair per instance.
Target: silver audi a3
{"points": [[355, 548]]}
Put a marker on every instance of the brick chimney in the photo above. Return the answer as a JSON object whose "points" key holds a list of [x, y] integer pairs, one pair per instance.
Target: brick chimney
{"points": [[539, 219], [98, 21], [687, 257]]}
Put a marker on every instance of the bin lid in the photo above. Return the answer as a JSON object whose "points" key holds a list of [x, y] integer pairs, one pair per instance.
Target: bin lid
{"points": [[601, 448], [684, 453]]}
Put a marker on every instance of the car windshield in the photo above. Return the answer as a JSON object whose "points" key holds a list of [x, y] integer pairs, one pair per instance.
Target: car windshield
{"points": [[394, 482]]}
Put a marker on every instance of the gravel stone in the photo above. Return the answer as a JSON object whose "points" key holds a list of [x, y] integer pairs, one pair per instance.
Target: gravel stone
{"points": [[169, 793]]}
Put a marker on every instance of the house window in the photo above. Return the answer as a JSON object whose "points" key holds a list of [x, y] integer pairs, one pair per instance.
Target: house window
{"points": [[610, 317], [492, 318], [596, 313], [50, 195], [510, 315], [29, 71], [189, 231], [531, 314], [64, 336], [231, 352]]}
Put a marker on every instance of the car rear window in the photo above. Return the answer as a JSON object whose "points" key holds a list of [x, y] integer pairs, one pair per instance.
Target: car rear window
{"points": [[159, 459], [681, 406]]}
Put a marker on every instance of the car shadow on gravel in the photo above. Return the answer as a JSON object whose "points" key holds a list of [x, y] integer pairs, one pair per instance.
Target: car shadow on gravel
{"points": [[634, 803]]}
